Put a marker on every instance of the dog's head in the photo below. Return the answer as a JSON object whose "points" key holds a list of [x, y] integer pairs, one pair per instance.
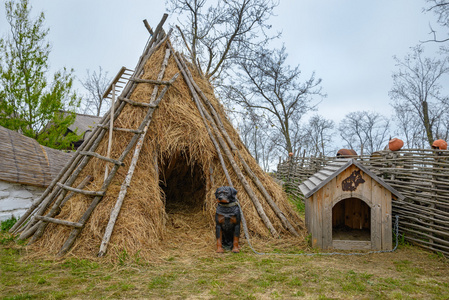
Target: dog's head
{"points": [[226, 194]]}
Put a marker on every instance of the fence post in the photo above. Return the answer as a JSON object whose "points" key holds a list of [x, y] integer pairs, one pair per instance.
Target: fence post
{"points": [[434, 192]]}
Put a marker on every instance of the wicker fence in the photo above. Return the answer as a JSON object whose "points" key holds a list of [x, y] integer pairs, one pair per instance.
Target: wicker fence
{"points": [[422, 176]]}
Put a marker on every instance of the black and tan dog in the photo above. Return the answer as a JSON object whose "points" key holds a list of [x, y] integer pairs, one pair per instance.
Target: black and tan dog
{"points": [[227, 219]]}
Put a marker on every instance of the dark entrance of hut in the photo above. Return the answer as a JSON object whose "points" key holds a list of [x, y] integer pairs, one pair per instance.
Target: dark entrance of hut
{"points": [[183, 183], [351, 220]]}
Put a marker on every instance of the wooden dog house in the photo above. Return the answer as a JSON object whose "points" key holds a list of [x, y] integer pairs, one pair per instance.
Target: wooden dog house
{"points": [[348, 207]]}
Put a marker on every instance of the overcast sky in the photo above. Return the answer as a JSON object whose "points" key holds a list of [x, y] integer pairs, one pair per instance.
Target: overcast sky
{"points": [[348, 43]]}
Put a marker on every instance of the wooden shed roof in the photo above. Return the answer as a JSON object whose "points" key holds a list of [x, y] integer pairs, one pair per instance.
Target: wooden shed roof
{"points": [[23, 160], [330, 171]]}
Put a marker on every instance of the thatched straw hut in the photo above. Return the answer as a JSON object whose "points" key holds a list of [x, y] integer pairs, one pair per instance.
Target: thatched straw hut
{"points": [[170, 201]]}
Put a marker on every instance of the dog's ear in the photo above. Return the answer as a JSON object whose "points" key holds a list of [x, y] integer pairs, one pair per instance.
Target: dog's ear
{"points": [[233, 193]]}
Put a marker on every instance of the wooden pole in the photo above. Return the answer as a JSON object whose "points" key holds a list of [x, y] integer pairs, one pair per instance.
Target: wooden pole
{"points": [[111, 131], [148, 27]]}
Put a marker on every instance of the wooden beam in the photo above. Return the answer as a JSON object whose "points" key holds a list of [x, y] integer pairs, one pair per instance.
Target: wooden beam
{"points": [[94, 154], [160, 82], [132, 102], [84, 192], [122, 129], [148, 27], [58, 221]]}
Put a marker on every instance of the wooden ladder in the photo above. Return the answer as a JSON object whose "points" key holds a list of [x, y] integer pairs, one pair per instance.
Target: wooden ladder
{"points": [[122, 77], [62, 188]]}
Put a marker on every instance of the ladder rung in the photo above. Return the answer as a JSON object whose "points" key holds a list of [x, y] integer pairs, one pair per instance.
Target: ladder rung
{"points": [[121, 129], [138, 80], [114, 161], [132, 102], [88, 193], [57, 221]]}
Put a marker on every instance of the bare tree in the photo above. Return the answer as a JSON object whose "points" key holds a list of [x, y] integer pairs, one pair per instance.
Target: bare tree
{"points": [[258, 137], [409, 128], [441, 10], [95, 85], [266, 85], [364, 131], [318, 135], [250, 131], [214, 34], [417, 85], [442, 127]]}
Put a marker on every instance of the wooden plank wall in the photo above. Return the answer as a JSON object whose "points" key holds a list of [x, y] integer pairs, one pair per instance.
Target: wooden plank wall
{"points": [[421, 175]]}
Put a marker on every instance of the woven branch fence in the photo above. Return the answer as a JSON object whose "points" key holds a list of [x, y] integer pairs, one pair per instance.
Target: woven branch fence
{"points": [[421, 175]]}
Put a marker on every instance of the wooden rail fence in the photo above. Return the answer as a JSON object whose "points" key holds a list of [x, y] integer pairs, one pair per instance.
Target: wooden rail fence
{"points": [[421, 175]]}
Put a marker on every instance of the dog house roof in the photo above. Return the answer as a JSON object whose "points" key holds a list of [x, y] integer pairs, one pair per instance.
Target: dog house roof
{"points": [[315, 182]]}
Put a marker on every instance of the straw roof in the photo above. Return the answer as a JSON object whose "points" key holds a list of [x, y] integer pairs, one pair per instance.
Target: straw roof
{"points": [[84, 124], [170, 201], [23, 160]]}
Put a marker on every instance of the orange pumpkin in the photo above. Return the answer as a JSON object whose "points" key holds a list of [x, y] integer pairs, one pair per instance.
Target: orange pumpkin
{"points": [[346, 153], [439, 144], [395, 144]]}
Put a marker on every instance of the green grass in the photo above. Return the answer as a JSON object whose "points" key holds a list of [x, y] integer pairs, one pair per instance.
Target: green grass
{"points": [[4, 228], [298, 203], [408, 273], [7, 224]]}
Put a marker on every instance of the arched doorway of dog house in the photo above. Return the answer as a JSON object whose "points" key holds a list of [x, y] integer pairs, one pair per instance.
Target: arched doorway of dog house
{"points": [[183, 183], [351, 220]]}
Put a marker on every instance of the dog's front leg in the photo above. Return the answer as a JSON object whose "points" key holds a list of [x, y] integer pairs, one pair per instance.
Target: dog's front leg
{"points": [[219, 239], [235, 245], [235, 241], [218, 232]]}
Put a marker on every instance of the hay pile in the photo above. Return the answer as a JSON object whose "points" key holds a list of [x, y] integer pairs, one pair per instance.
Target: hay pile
{"points": [[170, 202]]}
